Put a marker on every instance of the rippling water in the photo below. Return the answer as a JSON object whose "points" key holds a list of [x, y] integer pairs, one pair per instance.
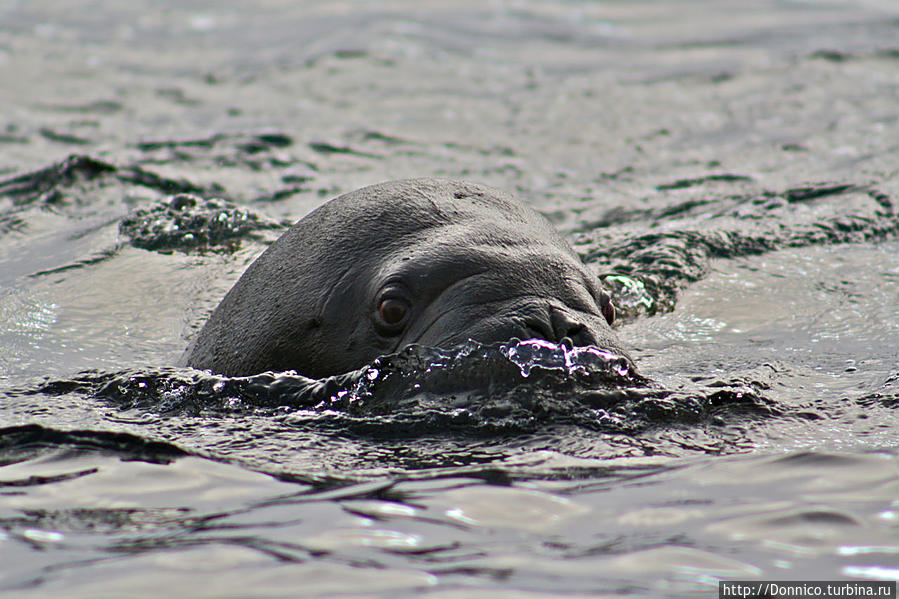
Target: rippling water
{"points": [[728, 169]]}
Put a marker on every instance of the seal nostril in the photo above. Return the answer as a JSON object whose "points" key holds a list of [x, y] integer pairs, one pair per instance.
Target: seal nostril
{"points": [[578, 335], [565, 328], [575, 331], [539, 330]]}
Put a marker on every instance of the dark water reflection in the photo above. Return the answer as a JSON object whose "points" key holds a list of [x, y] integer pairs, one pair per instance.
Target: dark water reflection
{"points": [[728, 169], [543, 522]]}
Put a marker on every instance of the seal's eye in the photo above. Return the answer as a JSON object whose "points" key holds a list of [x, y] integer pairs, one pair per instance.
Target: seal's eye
{"points": [[393, 312]]}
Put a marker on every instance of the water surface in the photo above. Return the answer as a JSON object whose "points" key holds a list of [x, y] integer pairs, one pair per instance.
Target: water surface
{"points": [[728, 169]]}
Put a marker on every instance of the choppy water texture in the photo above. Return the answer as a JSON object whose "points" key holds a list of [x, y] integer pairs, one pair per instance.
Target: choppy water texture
{"points": [[729, 169]]}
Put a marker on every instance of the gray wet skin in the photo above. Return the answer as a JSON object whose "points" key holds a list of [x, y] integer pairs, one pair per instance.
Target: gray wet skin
{"points": [[422, 261]]}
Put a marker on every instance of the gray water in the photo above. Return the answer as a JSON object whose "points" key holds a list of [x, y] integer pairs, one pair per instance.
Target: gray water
{"points": [[728, 168]]}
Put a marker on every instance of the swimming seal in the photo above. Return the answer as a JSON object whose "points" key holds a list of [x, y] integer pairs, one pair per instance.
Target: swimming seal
{"points": [[425, 261]]}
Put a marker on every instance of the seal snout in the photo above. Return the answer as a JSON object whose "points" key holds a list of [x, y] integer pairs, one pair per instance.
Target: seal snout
{"points": [[566, 327], [560, 325]]}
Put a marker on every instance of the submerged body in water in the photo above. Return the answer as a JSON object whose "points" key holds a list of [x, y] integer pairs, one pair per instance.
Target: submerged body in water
{"points": [[422, 261]]}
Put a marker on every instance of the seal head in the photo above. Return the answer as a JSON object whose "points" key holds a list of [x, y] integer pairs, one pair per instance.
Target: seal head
{"points": [[422, 261]]}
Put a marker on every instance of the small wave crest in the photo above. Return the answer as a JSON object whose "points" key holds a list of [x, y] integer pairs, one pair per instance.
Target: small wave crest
{"points": [[511, 387]]}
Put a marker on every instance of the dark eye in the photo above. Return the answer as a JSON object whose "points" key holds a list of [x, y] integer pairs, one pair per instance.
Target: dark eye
{"points": [[393, 312]]}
